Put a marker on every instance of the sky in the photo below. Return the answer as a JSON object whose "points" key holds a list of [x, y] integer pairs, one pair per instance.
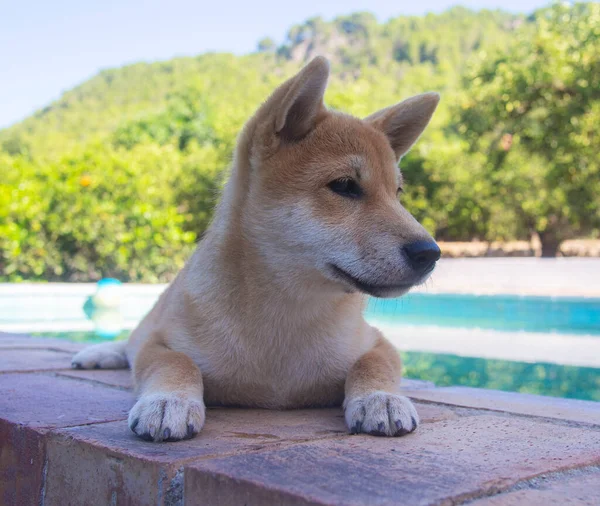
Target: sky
{"points": [[50, 46]]}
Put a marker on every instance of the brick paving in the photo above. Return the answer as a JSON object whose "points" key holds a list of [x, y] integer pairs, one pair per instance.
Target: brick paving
{"points": [[64, 441]]}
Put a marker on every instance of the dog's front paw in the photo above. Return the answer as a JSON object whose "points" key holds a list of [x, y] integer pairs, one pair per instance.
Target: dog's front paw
{"points": [[167, 417], [110, 355], [381, 414]]}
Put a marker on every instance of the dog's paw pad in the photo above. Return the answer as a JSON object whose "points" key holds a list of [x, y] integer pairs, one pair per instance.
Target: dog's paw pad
{"points": [[167, 417], [381, 414]]}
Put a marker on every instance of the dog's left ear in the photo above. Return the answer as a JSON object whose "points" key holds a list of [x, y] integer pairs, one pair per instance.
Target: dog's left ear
{"points": [[403, 123], [302, 104]]}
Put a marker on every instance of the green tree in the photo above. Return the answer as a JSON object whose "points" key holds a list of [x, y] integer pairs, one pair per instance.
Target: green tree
{"points": [[533, 110], [95, 212]]}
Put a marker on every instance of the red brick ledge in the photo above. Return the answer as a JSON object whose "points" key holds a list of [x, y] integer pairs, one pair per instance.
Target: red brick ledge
{"points": [[64, 440]]}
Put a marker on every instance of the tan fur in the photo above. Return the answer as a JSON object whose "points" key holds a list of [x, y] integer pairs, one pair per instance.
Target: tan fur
{"points": [[258, 317]]}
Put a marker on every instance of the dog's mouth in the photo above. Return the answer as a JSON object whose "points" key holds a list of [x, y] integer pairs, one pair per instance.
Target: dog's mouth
{"points": [[376, 290]]}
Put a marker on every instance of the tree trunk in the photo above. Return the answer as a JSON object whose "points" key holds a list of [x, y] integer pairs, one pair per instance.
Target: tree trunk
{"points": [[550, 243]]}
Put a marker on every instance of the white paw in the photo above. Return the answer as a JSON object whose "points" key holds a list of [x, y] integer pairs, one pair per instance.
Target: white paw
{"points": [[101, 356], [381, 414], [167, 417]]}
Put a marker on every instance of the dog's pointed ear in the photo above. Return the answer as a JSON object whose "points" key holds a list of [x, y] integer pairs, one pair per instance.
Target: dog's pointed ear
{"points": [[299, 110], [403, 123]]}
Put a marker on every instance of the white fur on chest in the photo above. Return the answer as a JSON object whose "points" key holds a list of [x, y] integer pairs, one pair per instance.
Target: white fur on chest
{"points": [[276, 364]]}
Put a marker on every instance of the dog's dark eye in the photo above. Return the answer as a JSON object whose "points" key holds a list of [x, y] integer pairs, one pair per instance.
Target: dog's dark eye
{"points": [[346, 188]]}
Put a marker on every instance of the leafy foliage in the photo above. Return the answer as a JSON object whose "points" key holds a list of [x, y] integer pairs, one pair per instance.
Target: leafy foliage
{"points": [[93, 213], [119, 177], [531, 109]]}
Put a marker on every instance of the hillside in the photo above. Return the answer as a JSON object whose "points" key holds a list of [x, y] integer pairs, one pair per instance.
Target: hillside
{"points": [[354, 41], [406, 53]]}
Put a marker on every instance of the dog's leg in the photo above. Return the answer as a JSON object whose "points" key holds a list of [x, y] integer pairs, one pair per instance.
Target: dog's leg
{"points": [[372, 404], [102, 356], [170, 405]]}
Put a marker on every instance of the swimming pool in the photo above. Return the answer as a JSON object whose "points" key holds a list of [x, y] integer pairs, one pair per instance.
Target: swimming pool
{"points": [[567, 315], [543, 345]]}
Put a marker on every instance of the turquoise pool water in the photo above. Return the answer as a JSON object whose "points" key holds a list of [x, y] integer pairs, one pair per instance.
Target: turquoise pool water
{"points": [[513, 322], [498, 312]]}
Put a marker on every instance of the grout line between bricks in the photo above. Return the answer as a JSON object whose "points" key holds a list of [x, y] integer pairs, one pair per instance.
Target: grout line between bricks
{"points": [[35, 371], [556, 421], [259, 448], [60, 372], [42, 499], [531, 483], [174, 493], [98, 422], [48, 429], [36, 348]]}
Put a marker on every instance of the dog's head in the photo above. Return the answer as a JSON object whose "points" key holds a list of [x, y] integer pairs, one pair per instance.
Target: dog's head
{"points": [[319, 189]]}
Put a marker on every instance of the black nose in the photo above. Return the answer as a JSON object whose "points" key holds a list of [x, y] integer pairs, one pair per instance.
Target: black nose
{"points": [[422, 254]]}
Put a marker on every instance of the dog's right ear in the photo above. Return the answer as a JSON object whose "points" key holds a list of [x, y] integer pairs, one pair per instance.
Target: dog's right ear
{"points": [[302, 104]]}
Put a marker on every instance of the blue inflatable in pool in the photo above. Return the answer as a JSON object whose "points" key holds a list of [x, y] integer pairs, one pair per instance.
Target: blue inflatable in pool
{"points": [[109, 293], [104, 308]]}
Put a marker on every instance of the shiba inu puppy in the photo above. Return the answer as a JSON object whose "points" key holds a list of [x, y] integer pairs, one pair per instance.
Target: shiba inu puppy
{"points": [[268, 311]]}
